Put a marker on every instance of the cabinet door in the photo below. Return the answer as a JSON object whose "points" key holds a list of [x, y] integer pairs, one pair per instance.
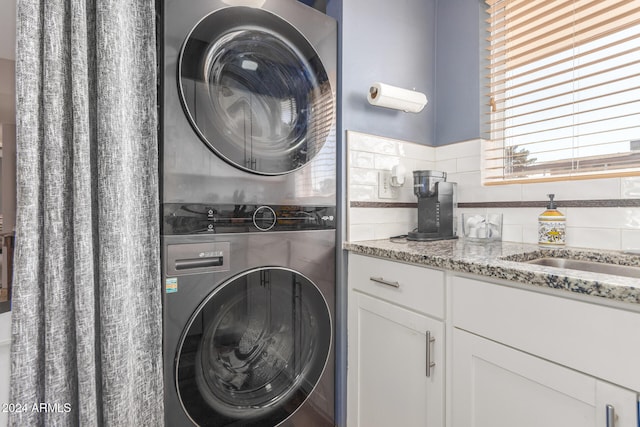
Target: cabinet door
{"points": [[388, 382], [498, 386]]}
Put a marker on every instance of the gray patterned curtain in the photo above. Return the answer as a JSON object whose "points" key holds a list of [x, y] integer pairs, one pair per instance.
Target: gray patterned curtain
{"points": [[87, 323]]}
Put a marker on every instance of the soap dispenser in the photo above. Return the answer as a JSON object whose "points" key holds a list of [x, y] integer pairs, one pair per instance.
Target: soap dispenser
{"points": [[551, 225]]}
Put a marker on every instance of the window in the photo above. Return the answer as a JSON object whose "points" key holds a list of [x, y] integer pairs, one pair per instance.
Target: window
{"points": [[564, 90]]}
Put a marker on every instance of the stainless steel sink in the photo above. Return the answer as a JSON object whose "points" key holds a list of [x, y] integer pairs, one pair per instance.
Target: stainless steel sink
{"points": [[596, 267]]}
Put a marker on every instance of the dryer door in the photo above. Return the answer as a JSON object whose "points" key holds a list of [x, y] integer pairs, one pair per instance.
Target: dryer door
{"points": [[254, 350], [255, 90]]}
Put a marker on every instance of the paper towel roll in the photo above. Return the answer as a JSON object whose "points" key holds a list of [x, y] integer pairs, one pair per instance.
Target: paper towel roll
{"points": [[384, 95]]}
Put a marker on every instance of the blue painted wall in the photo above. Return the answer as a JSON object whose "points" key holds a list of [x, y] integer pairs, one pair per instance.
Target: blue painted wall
{"points": [[433, 46], [402, 42], [392, 42], [460, 99]]}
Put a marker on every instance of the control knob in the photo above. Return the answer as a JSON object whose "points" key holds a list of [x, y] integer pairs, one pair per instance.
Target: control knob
{"points": [[264, 218]]}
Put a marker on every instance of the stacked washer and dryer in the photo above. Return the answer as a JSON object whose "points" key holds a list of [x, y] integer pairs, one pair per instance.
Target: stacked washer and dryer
{"points": [[248, 203]]}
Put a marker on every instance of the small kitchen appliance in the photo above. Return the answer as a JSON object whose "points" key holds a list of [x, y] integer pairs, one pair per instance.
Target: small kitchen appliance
{"points": [[436, 205]]}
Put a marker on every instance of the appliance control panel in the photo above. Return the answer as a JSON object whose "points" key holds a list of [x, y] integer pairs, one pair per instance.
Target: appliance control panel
{"points": [[185, 218], [264, 218]]}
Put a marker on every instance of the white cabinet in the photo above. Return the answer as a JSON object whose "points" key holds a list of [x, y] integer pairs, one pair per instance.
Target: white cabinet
{"points": [[591, 338], [393, 311], [527, 359], [498, 386], [514, 357]]}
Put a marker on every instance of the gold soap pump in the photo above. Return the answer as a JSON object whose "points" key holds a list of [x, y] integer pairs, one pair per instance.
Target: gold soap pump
{"points": [[551, 225]]}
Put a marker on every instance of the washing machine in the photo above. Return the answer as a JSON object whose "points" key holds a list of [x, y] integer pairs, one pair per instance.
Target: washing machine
{"points": [[248, 176], [249, 316], [248, 99]]}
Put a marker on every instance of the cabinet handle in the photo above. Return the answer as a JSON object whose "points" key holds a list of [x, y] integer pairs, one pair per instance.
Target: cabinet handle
{"points": [[384, 282], [611, 416], [430, 364]]}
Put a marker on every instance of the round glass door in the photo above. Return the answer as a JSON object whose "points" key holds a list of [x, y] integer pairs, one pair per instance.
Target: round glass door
{"points": [[254, 350], [255, 90]]}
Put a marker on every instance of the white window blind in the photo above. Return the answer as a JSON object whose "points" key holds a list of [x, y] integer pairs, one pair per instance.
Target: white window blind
{"points": [[564, 90]]}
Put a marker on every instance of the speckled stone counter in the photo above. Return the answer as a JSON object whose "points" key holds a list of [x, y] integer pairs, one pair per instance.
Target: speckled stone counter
{"points": [[500, 260]]}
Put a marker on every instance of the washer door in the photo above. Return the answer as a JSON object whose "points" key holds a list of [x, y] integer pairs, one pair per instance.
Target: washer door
{"points": [[255, 90], [254, 350]]}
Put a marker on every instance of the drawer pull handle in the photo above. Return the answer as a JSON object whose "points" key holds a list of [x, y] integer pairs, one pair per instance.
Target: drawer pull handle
{"points": [[430, 363], [384, 282], [611, 416]]}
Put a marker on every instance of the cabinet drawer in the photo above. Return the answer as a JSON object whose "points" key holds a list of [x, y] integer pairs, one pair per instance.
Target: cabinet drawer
{"points": [[601, 341], [417, 288]]}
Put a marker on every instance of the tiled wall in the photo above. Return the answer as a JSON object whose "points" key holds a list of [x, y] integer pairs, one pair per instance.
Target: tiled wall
{"points": [[597, 227], [603, 228], [368, 154]]}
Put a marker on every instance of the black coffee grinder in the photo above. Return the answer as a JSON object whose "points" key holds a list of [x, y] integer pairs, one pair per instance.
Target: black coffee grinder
{"points": [[436, 204]]}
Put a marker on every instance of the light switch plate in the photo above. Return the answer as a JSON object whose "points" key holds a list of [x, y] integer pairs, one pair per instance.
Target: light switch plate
{"points": [[385, 189]]}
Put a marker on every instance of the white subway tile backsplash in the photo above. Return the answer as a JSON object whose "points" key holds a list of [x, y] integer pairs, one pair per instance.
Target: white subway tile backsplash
{"points": [[360, 159], [449, 166], [362, 215], [405, 193], [380, 223], [530, 233], [630, 187], [523, 216], [600, 228], [381, 215], [591, 189], [631, 218], [363, 176], [461, 149], [511, 232], [416, 151], [404, 215], [363, 193], [470, 189], [598, 238], [369, 154], [420, 165], [372, 143], [630, 240], [468, 164], [384, 231], [385, 162], [373, 215], [590, 217], [360, 232]]}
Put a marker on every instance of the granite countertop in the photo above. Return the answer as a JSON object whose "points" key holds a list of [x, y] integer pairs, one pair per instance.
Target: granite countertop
{"points": [[499, 260]]}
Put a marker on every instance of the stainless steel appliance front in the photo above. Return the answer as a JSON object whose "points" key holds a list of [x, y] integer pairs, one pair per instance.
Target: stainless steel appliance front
{"points": [[248, 111], [248, 329]]}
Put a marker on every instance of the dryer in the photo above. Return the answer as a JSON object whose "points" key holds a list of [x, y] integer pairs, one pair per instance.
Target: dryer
{"points": [[248, 150], [248, 320], [248, 103]]}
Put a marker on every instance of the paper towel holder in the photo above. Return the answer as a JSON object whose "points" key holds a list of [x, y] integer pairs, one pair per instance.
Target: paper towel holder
{"points": [[373, 91], [387, 96]]}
